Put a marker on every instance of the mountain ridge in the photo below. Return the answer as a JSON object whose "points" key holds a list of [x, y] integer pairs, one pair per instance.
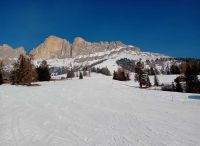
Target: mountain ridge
{"points": [[7, 53], [55, 47], [60, 53]]}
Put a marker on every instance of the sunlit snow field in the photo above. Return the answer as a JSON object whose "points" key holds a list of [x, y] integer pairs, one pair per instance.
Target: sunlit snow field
{"points": [[97, 111]]}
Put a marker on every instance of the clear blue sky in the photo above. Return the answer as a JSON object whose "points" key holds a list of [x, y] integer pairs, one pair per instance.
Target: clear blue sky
{"points": [[170, 27]]}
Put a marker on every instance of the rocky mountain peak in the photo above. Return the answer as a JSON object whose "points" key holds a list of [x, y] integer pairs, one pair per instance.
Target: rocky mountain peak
{"points": [[55, 47], [7, 53], [79, 51], [78, 40], [52, 38], [21, 49], [6, 46]]}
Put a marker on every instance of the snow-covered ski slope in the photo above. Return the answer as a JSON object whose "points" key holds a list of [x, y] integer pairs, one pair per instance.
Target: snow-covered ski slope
{"points": [[97, 111]]}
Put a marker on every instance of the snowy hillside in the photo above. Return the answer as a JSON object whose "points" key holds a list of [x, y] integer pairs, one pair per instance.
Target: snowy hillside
{"points": [[110, 56], [97, 111]]}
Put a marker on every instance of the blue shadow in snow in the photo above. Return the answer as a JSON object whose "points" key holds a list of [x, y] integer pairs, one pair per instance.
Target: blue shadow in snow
{"points": [[194, 97], [132, 86]]}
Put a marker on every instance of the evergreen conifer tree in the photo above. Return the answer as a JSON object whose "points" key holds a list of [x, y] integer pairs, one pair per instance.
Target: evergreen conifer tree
{"points": [[127, 76], [140, 74], [14, 74], [173, 87], [191, 77], [148, 83], [43, 71], [70, 73], [178, 85], [114, 75], [80, 75], [152, 71], [174, 69], [24, 71], [29, 73]]}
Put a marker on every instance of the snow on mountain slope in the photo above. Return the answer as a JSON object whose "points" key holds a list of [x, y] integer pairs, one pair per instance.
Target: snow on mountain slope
{"points": [[97, 111], [111, 62], [111, 56]]}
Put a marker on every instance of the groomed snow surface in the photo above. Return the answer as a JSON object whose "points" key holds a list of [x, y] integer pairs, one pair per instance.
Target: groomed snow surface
{"points": [[97, 111]]}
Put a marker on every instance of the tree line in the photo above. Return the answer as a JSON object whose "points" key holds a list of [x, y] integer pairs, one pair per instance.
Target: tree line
{"points": [[103, 70], [24, 71], [176, 65], [189, 82], [190, 70]]}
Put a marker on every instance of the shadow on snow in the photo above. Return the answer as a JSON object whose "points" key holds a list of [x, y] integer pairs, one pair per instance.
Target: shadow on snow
{"points": [[194, 97]]}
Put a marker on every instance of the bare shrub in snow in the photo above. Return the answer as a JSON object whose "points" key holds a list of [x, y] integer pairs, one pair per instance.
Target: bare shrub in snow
{"points": [[121, 75]]}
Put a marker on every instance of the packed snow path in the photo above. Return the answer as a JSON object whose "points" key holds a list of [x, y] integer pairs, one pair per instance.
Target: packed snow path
{"points": [[97, 111]]}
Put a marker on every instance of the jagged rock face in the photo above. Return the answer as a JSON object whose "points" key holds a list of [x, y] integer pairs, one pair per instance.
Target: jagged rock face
{"points": [[82, 47], [7, 53], [53, 47]]}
